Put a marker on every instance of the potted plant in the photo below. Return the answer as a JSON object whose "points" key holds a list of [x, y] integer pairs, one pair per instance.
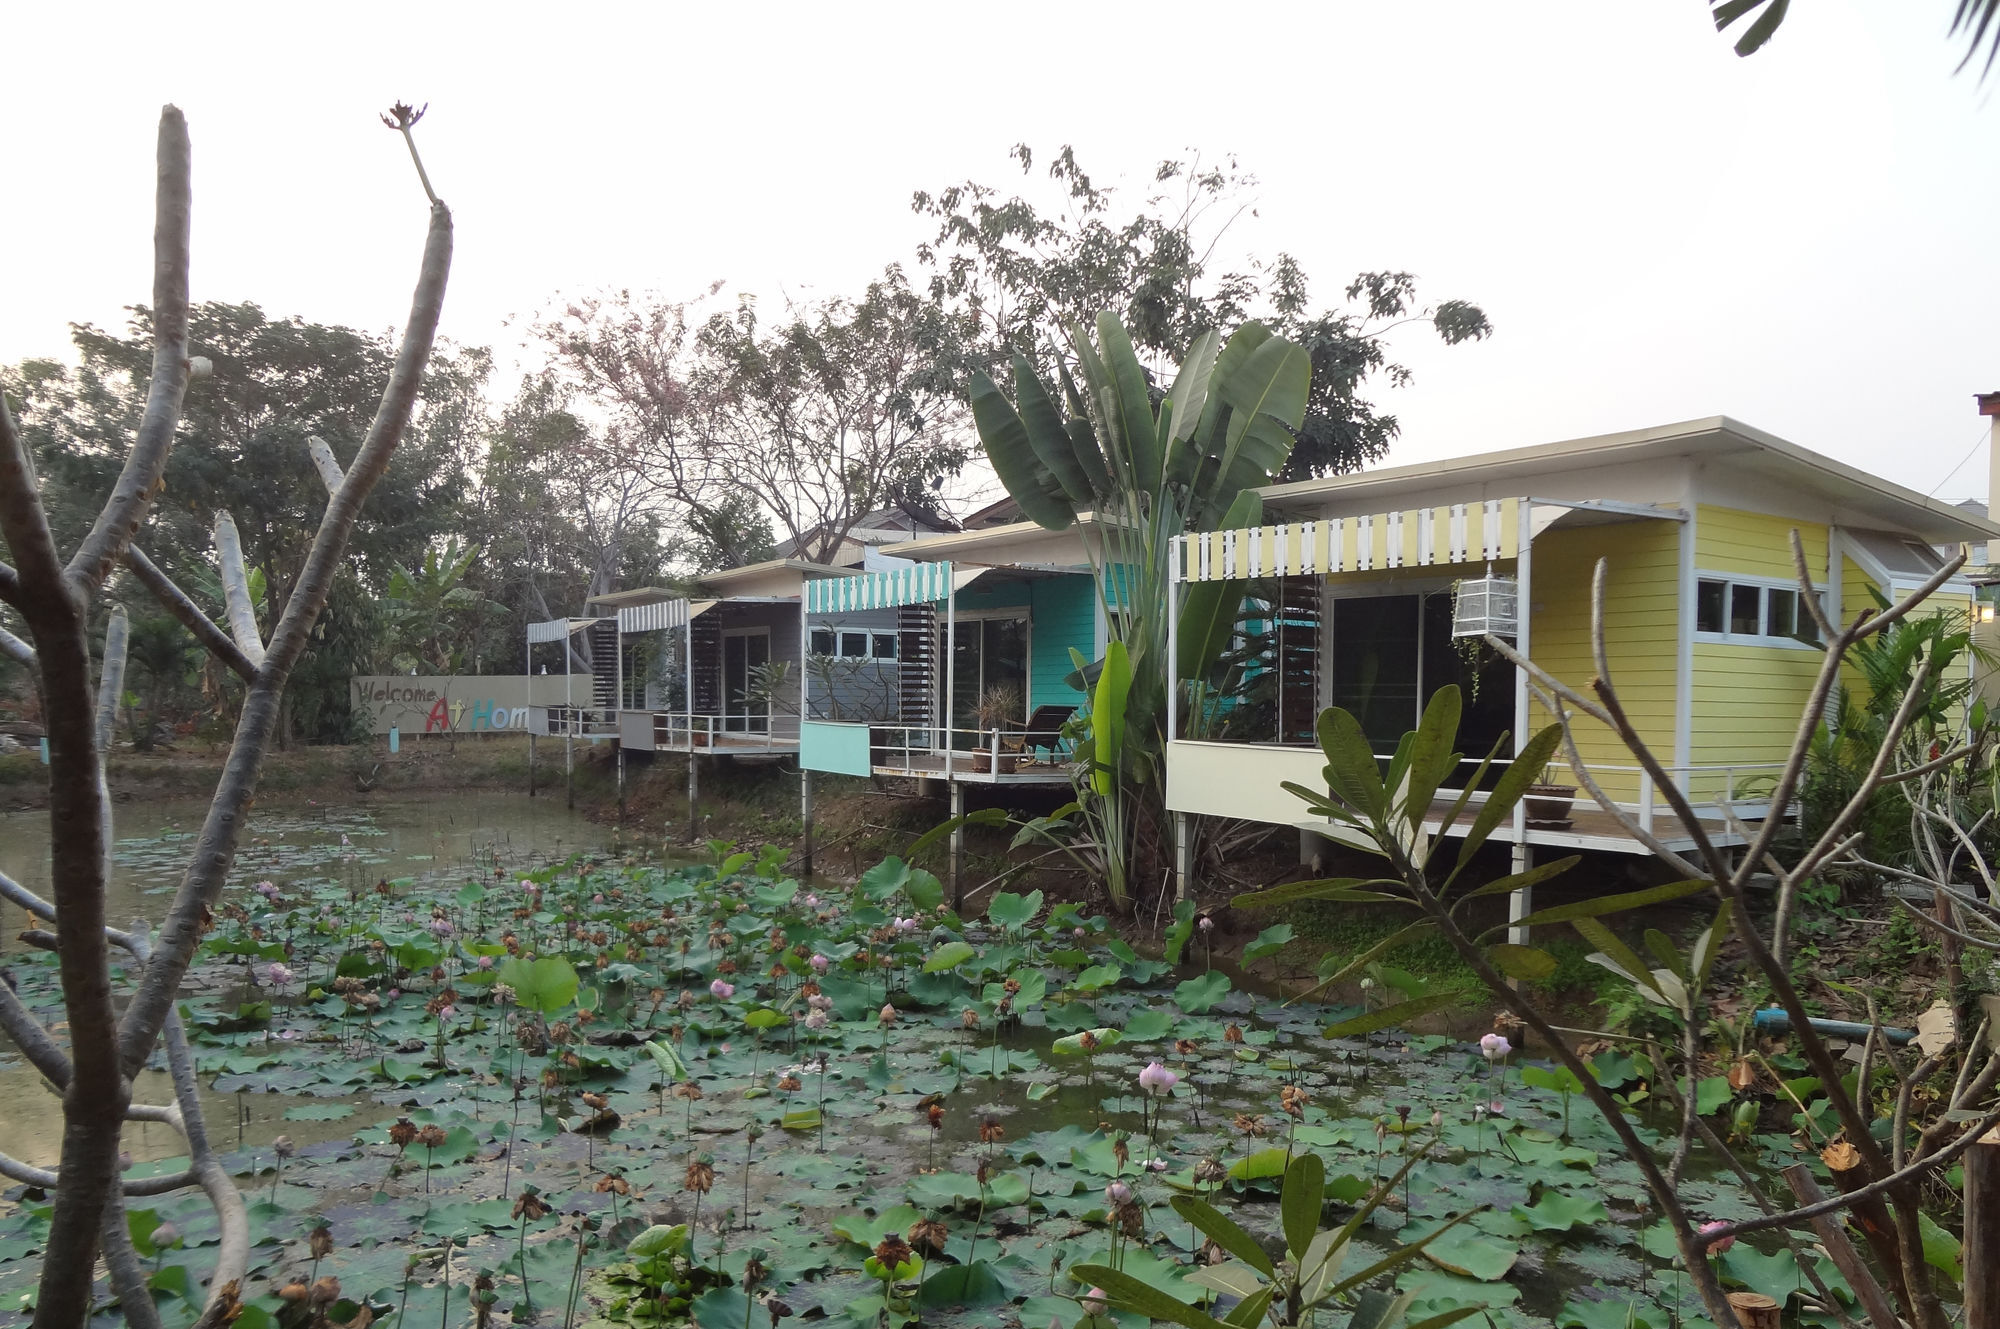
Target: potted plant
{"points": [[1549, 800], [999, 705]]}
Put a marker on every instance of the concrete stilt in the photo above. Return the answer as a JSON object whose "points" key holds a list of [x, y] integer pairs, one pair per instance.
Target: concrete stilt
{"points": [[1522, 902], [1183, 857], [805, 822], [621, 784], [957, 847], [694, 799]]}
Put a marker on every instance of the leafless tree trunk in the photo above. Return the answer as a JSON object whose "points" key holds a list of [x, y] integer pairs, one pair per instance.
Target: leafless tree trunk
{"points": [[55, 598]]}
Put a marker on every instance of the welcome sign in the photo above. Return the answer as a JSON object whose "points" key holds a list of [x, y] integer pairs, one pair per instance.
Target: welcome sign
{"points": [[457, 703]]}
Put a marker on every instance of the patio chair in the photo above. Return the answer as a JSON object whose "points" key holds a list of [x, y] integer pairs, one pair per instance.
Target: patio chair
{"points": [[1043, 730]]}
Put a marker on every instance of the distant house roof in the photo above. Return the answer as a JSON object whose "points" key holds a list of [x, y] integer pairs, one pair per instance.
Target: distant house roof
{"points": [[883, 526]]}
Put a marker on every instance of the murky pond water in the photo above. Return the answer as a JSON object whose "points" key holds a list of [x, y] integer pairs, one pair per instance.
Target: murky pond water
{"points": [[303, 844]]}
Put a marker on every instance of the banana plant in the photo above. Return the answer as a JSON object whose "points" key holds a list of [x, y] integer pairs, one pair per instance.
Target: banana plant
{"points": [[1305, 1285], [1146, 466]]}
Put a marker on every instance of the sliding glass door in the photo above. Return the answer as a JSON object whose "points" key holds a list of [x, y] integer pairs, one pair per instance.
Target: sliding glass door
{"points": [[988, 655]]}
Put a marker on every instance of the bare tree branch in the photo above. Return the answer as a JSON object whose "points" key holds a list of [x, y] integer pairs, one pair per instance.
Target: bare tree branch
{"points": [[176, 602], [15, 649], [216, 848], [132, 496], [238, 606], [323, 462]]}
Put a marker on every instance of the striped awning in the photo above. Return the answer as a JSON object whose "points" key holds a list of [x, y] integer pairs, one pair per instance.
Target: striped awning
{"points": [[919, 583], [1418, 537], [662, 615], [556, 629]]}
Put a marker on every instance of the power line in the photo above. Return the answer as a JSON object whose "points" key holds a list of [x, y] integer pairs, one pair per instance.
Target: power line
{"points": [[1961, 464]]}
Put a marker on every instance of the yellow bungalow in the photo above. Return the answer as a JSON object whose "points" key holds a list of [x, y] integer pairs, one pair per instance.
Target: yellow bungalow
{"points": [[1366, 591]]}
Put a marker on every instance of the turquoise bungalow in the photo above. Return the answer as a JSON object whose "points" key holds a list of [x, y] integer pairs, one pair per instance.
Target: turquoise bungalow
{"points": [[986, 622]]}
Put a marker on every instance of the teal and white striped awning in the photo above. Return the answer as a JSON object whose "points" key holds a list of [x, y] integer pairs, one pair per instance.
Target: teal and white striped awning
{"points": [[919, 583]]}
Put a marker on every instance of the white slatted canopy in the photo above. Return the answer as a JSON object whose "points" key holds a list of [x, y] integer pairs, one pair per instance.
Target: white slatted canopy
{"points": [[662, 615], [918, 583], [1480, 532], [556, 629]]}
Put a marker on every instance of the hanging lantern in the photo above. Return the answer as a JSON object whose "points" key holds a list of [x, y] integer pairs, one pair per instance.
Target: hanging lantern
{"points": [[1487, 604]]}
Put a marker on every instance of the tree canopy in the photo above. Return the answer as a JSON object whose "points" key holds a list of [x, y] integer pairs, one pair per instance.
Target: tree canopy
{"points": [[1023, 273]]}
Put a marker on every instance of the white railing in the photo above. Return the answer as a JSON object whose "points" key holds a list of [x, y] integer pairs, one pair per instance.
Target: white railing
{"points": [[677, 730], [929, 750], [1709, 788], [582, 722]]}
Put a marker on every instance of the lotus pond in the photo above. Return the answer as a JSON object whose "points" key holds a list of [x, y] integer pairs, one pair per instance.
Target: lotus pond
{"points": [[612, 1090]]}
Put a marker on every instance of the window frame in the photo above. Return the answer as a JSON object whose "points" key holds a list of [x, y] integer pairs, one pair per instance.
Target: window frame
{"points": [[1731, 582]]}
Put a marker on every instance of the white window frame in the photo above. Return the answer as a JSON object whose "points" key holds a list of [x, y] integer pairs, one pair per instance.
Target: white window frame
{"points": [[841, 643], [1764, 585]]}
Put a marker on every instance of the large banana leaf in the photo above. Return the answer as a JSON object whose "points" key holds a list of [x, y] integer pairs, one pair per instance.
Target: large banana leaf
{"points": [[1028, 480], [1107, 716], [1127, 382], [1208, 608], [1268, 391], [1049, 436]]}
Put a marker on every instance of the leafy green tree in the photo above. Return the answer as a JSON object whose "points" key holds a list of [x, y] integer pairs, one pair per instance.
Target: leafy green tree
{"points": [[241, 447], [836, 409], [430, 614], [559, 516], [1025, 275]]}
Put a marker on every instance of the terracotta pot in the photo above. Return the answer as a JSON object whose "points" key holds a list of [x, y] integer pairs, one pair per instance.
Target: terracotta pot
{"points": [[982, 762]]}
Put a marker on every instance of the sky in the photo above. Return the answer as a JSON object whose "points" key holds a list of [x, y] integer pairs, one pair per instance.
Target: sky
{"points": [[1659, 230]]}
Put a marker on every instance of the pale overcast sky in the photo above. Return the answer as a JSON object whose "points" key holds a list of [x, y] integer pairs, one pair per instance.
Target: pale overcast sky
{"points": [[1659, 230]]}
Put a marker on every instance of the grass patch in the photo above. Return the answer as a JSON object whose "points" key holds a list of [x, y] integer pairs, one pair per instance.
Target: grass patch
{"points": [[1344, 932]]}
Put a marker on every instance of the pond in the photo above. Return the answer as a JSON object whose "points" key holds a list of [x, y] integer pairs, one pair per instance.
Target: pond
{"points": [[310, 843], [716, 1079]]}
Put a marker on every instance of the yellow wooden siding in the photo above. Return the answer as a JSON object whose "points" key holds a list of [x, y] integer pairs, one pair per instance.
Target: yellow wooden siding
{"points": [[1747, 702], [1746, 699], [1641, 612], [1755, 544]]}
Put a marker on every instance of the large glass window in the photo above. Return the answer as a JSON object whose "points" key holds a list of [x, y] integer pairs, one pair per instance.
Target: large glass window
{"points": [[1753, 612], [989, 655], [1375, 664]]}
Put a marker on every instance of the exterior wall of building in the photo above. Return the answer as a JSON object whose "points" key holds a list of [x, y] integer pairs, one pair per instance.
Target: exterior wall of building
{"points": [[1747, 697], [1062, 612], [1642, 626]]}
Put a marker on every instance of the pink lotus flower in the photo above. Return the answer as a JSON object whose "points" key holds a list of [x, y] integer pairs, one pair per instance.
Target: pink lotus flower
{"points": [[1096, 1301], [811, 901], [447, 1013], [278, 976], [1157, 1079], [527, 885], [1494, 1046], [1716, 1247], [819, 964], [1117, 1193], [721, 991], [815, 1019], [485, 962]]}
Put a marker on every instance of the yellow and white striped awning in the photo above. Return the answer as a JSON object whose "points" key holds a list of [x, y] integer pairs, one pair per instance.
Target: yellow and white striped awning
{"points": [[1417, 537]]}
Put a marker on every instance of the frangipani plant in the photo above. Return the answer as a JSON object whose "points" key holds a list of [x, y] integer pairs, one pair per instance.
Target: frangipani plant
{"points": [[1305, 1286]]}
